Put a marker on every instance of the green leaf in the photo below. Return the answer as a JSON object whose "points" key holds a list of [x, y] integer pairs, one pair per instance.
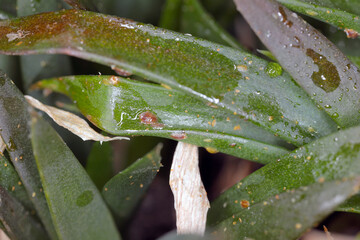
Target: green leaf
{"points": [[15, 131], [11, 182], [315, 63], [76, 206], [342, 14], [141, 10], [37, 67], [351, 205], [124, 107], [333, 157], [82, 4], [17, 221], [219, 75], [99, 163], [196, 21], [287, 215], [170, 17], [8, 6], [124, 191]]}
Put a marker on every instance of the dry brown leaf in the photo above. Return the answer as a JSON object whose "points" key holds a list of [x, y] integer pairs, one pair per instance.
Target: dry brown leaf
{"points": [[191, 202], [70, 121]]}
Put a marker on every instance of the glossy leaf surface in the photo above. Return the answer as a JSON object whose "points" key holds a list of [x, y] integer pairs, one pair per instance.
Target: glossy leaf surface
{"points": [[15, 131], [99, 163], [333, 157], [76, 206], [314, 62], [17, 221], [220, 75], [287, 215], [342, 14], [124, 191], [124, 107], [11, 182]]}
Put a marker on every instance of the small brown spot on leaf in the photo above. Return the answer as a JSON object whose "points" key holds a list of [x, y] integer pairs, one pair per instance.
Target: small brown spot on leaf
{"points": [[245, 203]]}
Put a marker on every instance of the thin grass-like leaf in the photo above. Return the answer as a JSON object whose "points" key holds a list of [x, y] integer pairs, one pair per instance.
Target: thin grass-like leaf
{"points": [[219, 75]]}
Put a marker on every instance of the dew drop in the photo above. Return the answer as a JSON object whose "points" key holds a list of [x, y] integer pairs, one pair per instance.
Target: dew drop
{"points": [[273, 69]]}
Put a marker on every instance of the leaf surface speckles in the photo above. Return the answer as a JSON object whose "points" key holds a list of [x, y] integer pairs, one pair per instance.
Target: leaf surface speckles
{"points": [[222, 76]]}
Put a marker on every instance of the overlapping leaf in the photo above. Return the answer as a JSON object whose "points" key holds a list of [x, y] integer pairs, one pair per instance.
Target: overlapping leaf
{"points": [[195, 20], [15, 131], [125, 190], [76, 206], [342, 14], [99, 163], [315, 63], [38, 67], [287, 215], [10, 181], [220, 75], [333, 157], [17, 221], [124, 107]]}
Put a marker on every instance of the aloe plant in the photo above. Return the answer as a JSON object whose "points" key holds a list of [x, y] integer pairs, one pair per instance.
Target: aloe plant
{"points": [[189, 80]]}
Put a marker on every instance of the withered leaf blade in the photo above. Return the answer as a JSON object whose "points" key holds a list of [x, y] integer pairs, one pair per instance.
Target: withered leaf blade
{"points": [[70, 121]]}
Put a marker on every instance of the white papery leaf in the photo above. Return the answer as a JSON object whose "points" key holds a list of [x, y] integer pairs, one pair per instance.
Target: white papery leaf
{"points": [[70, 121], [191, 202]]}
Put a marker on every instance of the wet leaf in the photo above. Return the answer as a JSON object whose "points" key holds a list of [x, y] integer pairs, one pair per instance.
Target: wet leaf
{"points": [[15, 132], [124, 107], [342, 14], [71, 122], [333, 157], [76, 206], [287, 215], [196, 21], [124, 191], [11, 182], [315, 63], [99, 163], [222, 76], [17, 221]]}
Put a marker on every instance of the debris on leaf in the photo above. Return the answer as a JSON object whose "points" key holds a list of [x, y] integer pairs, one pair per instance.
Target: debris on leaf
{"points": [[191, 202], [70, 121]]}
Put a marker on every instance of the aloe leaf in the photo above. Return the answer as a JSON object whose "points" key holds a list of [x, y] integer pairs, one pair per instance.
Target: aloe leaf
{"points": [[11, 182], [124, 107], [124, 191], [15, 132], [17, 221], [315, 63], [38, 67], [333, 157], [196, 21], [99, 163], [220, 75], [287, 215], [342, 14], [76, 206]]}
